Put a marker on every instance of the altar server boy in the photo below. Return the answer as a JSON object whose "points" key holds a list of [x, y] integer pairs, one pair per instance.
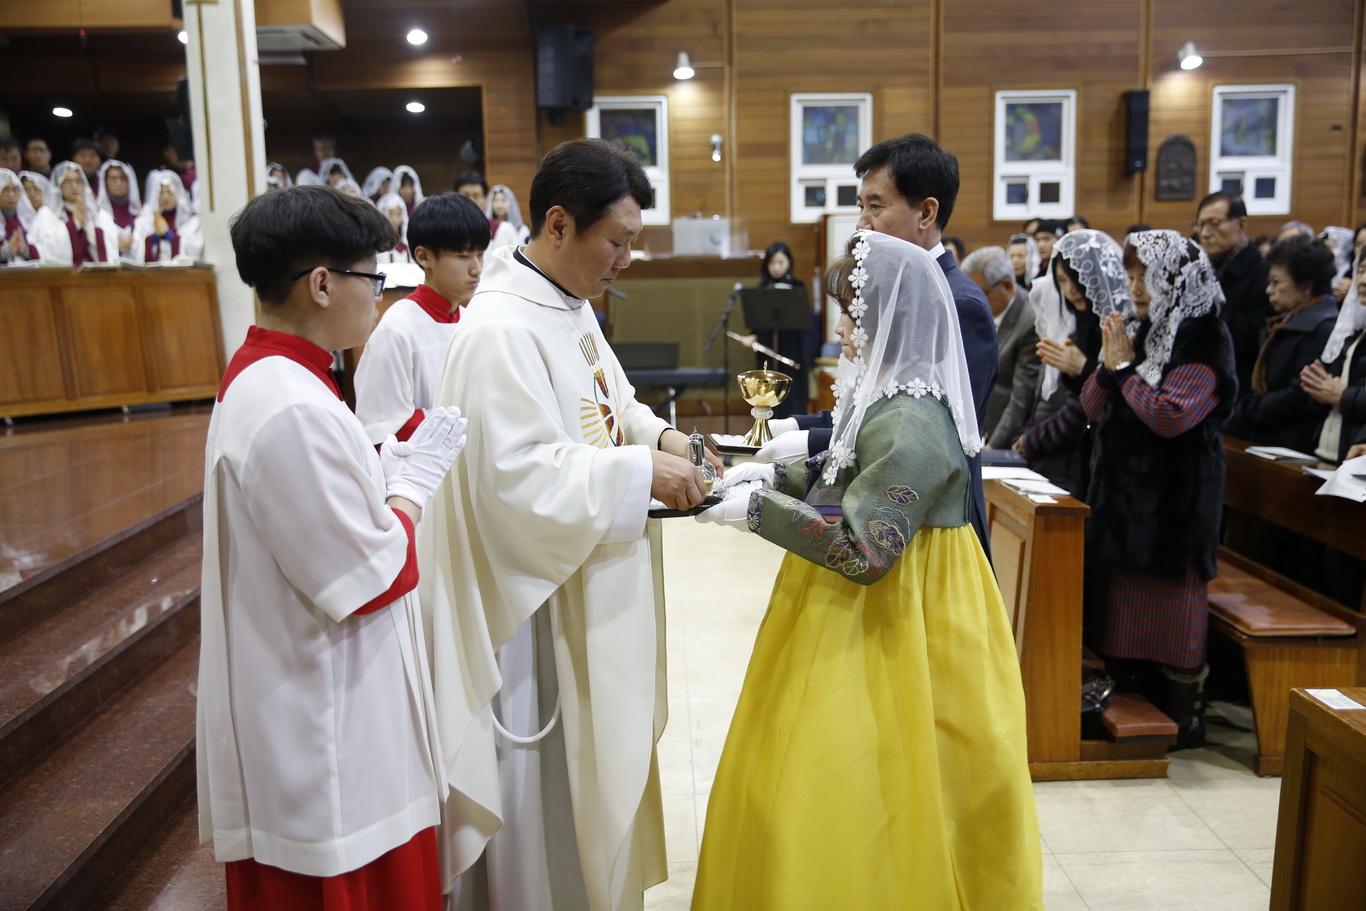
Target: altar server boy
{"points": [[320, 777], [397, 374]]}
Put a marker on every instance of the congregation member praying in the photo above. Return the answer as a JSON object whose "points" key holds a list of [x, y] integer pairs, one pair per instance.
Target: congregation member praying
{"points": [[1277, 410]]}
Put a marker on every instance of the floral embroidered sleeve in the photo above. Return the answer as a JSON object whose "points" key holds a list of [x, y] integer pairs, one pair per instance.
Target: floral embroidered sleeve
{"points": [[790, 478], [906, 460]]}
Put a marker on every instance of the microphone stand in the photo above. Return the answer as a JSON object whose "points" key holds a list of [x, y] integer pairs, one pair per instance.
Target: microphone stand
{"points": [[723, 325]]}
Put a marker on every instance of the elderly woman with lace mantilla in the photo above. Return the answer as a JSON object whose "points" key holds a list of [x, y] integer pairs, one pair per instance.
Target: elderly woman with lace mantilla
{"points": [[1088, 272], [1159, 400], [877, 754]]}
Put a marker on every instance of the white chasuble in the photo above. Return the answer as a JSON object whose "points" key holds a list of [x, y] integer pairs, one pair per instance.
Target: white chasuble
{"points": [[546, 508]]}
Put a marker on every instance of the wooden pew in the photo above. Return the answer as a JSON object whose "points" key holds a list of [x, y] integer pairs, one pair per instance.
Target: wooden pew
{"points": [[76, 341], [1037, 551], [1288, 634], [1321, 829]]}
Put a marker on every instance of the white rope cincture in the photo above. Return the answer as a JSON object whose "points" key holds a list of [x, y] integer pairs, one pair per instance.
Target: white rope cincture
{"points": [[534, 738]]}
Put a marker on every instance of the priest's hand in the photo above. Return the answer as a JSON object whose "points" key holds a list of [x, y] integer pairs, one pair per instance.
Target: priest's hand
{"points": [[783, 447], [732, 513], [675, 442], [676, 482], [413, 469]]}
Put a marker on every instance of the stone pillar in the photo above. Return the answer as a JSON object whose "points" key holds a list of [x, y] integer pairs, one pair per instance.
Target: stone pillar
{"points": [[229, 140]]}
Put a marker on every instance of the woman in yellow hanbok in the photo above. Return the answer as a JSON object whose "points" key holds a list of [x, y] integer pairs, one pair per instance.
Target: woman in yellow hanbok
{"points": [[877, 758]]}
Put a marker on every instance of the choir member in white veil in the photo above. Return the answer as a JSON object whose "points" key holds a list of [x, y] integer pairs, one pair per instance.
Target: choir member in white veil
{"points": [[377, 184], [391, 204], [168, 226], [407, 185], [505, 218], [118, 195], [14, 245], [35, 196], [71, 227]]}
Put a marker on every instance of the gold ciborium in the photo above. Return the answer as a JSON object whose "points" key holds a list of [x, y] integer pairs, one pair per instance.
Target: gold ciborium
{"points": [[762, 389]]}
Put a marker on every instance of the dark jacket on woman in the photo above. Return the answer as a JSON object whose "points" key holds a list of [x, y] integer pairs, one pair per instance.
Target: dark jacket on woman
{"points": [[1057, 442], [1353, 401], [1285, 415], [1156, 501]]}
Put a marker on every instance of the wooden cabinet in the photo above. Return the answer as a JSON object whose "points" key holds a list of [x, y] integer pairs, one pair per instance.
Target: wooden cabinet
{"points": [[1321, 831], [73, 341]]}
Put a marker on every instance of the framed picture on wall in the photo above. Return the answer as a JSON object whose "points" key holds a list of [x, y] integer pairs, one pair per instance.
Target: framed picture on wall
{"points": [[829, 133], [639, 124], [1035, 154], [1251, 138]]}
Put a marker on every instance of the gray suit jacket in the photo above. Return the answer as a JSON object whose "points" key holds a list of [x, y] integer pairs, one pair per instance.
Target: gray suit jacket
{"points": [[1017, 381]]}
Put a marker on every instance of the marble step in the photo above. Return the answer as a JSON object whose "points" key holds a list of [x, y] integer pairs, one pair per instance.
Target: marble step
{"points": [[58, 673], [75, 821], [50, 589], [173, 873]]}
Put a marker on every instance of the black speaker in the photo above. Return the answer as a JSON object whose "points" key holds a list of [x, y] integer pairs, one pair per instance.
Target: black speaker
{"points": [[1135, 131], [564, 67]]}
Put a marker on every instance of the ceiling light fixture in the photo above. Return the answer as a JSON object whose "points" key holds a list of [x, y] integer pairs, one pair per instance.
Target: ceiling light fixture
{"points": [[184, 38], [61, 112], [417, 36], [683, 69], [1187, 56], [416, 107]]}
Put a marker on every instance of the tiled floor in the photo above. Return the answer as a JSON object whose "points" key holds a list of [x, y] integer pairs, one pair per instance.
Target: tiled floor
{"points": [[1201, 839]]}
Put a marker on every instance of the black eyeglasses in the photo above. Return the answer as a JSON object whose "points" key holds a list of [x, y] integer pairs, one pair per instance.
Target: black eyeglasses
{"points": [[376, 281]]}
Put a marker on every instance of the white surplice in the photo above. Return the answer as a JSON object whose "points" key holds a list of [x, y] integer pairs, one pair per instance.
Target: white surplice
{"points": [[545, 512], [315, 734]]}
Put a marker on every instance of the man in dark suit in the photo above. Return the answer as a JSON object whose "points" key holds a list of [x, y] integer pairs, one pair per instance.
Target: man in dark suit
{"points": [[1017, 382], [907, 189], [1221, 224]]}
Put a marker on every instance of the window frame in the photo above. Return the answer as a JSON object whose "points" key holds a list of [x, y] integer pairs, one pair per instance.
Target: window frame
{"points": [[658, 173], [1034, 174], [830, 177], [1247, 169]]}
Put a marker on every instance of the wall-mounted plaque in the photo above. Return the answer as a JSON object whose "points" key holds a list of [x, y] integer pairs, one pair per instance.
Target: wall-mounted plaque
{"points": [[1176, 168]]}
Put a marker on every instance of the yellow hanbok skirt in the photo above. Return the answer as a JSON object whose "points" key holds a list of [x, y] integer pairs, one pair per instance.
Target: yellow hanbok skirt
{"points": [[877, 757]]}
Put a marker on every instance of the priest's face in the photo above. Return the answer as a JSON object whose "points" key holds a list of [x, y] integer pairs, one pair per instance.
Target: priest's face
{"points": [[588, 262]]}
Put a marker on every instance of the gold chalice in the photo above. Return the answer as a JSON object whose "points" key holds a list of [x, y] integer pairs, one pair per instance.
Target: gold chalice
{"points": [[762, 389]]}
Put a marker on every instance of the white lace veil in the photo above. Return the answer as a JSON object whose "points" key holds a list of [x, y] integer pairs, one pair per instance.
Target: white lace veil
{"points": [[907, 340], [27, 213], [514, 210], [103, 198], [1181, 285], [398, 182], [1351, 319], [165, 177], [286, 181], [394, 201], [1099, 263], [1032, 260], [1340, 241], [374, 180], [325, 169]]}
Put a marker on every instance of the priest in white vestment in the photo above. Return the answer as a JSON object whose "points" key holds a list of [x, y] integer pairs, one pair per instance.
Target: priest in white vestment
{"points": [[536, 574]]}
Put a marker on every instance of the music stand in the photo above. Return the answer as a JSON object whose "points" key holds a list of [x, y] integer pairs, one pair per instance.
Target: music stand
{"points": [[775, 309]]}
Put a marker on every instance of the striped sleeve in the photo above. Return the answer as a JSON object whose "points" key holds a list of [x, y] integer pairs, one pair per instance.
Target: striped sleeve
{"points": [[1184, 399]]}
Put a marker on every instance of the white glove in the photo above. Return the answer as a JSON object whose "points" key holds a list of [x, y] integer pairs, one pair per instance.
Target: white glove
{"points": [[780, 426], [750, 471], [414, 468], [784, 448], [732, 512]]}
